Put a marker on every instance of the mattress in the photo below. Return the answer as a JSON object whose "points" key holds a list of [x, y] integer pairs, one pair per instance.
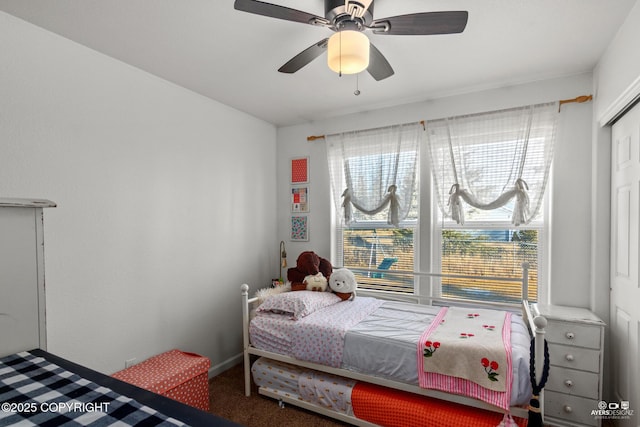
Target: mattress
{"points": [[293, 382], [375, 404], [384, 343]]}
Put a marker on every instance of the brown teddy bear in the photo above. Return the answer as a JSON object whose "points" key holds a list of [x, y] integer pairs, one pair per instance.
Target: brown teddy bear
{"points": [[308, 263]]}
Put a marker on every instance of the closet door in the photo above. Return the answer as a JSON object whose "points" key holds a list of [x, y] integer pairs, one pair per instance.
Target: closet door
{"points": [[21, 280], [625, 257]]}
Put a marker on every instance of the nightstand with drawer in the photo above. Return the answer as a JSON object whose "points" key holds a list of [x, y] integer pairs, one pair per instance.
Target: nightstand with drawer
{"points": [[576, 339]]}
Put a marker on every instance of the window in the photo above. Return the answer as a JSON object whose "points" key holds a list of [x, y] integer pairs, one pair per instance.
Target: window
{"points": [[486, 254], [490, 172], [374, 182], [371, 248], [493, 167]]}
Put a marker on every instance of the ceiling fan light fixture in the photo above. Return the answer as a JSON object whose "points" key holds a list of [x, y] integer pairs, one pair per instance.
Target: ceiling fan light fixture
{"points": [[348, 52]]}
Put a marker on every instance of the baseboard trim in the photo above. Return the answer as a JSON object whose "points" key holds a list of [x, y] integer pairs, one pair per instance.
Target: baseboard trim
{"points": [[227, 364]]}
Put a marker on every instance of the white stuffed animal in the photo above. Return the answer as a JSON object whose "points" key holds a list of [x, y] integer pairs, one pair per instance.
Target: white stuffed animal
{"points": [[343, 283], [316, 282]]}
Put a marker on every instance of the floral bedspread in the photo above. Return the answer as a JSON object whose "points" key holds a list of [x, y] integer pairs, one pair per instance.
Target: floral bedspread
{"points": [[468, 351]]}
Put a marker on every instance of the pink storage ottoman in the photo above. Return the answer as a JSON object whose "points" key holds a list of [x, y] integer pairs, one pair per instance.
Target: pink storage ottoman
{"points": [[175, 374]]}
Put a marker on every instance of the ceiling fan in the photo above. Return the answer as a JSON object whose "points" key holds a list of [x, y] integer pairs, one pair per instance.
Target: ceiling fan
{"points": [[351, 17]]}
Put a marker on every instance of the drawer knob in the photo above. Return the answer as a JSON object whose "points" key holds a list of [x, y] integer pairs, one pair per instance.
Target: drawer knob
{"points": [[568, 383], [569, 357], [570, 335], [568, 409]]}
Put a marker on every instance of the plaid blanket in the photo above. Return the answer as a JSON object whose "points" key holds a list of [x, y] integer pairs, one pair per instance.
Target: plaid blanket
{"points": [[36, 392]]}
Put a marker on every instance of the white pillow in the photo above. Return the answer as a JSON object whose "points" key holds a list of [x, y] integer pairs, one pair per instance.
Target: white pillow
{"points": [[298, 304]]}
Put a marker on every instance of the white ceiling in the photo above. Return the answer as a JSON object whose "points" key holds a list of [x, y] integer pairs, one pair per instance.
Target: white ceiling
{"points": [[233, 57]]}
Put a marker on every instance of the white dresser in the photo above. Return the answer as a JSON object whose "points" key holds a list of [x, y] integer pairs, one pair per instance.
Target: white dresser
{"points": [[574, 388]]}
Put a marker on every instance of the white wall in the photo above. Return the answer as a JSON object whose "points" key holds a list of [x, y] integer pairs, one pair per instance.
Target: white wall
{"points": [[571, 193], [166, 200], [616, 83], [617, 75]]}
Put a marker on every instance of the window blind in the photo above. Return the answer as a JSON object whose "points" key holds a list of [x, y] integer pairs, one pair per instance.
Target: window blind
{"points": [[374, 171], [482, 157]]}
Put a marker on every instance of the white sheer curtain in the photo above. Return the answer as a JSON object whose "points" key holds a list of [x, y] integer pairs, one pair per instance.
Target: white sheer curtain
{"points": [[374, 170], [496, 161]]}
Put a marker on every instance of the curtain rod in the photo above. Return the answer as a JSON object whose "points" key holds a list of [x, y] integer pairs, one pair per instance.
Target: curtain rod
{"points": [[314, 137], [579, 99]]}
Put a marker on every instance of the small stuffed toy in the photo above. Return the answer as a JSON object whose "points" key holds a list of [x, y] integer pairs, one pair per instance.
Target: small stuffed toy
{"points": [[264, 293], [343, 283], [316, 282], [308, 264]]}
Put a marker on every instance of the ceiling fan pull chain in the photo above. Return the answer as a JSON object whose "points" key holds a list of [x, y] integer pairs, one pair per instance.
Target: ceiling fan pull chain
{"points": [[340, 35], [357, 91]]}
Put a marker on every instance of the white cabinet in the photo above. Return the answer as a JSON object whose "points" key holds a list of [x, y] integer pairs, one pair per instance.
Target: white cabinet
{"points": [[22, 296], [575, 337]]}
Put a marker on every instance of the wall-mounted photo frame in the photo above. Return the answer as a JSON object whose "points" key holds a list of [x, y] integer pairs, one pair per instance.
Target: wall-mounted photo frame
{"points": [[300, 199], [300, 170], [299, 229]]}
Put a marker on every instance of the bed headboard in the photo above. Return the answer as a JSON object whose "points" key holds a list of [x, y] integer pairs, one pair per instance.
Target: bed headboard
{"points": [[22, 295]]}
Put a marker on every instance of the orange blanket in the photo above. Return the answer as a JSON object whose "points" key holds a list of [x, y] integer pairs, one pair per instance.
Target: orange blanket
{"points": [[395, 408]]}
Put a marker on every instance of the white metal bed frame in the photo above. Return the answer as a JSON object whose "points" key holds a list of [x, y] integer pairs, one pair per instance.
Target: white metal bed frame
{"points": [[536, 327]]}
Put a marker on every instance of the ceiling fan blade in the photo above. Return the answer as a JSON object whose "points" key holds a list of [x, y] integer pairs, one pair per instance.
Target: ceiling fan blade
{"points": [[379, 67], [304, 57], [280, 12], [427, 23]]}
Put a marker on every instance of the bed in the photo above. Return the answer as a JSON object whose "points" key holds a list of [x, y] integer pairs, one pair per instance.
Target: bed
{"points": [[38, 388], [377, 351]]}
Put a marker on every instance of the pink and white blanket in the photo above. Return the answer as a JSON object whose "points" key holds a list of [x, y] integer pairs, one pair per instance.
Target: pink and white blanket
{"points": [[468, 352]]}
